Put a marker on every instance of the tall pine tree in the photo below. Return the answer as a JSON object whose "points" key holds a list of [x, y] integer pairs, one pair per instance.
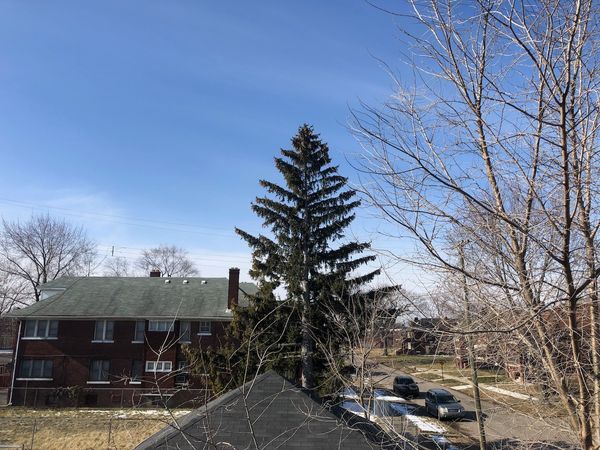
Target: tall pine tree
{"points": [[307, 218]]}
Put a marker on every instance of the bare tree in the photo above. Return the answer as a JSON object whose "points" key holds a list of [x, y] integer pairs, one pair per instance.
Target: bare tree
{"points": [[13, 293], [172, 261], [117, 266], [364, 324], [495, 145], [42, 249]]}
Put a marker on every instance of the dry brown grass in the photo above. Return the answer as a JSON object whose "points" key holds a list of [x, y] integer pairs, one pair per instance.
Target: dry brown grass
{"points": [[61, 429]]}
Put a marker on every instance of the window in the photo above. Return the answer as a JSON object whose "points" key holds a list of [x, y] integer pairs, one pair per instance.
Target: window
{"points": [[204, 328], [41, 329], [36, 368], [103, 332], [182, 376], [160, 325], [138, 333], [159, 366], [137, 368], [99, 371], [184, 331]]}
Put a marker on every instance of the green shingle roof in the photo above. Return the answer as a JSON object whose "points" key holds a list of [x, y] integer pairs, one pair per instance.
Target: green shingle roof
{"points": [[131, 298]]}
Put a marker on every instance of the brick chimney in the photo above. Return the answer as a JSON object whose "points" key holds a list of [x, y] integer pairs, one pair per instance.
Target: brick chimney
{"points": [[233, 293], [155, 273]]}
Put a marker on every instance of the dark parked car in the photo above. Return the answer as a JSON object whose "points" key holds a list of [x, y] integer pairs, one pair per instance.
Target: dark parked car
{"points": [[442, 404], [405, 386]]}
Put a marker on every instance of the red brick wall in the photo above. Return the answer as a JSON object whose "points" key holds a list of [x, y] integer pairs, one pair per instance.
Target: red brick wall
{"points": [[73, 351]]}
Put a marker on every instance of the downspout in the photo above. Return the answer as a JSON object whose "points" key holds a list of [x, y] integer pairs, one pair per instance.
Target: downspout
{"points": [[14, 372]]}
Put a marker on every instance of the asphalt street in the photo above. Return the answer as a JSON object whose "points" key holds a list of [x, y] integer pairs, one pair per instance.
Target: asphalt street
{"points": [[503, 426]]}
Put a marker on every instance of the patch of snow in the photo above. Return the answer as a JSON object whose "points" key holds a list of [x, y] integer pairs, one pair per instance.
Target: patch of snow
{"points": [[463, 386], [508, 393], [390, 398], [354, 408], [425, 424]]}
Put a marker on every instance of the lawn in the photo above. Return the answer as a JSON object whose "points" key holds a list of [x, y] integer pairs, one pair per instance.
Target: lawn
{"points": [[415, 361], [80, 428]]}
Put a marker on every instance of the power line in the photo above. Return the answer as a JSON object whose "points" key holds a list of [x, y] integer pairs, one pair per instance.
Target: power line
{"points": [[195, 256], [156, 224]]}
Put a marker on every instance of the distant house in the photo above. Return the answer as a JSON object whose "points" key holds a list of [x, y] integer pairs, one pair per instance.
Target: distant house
{"points": [[274, 413], [518, 354], [109, 341], [424, 336], [8, 335]]}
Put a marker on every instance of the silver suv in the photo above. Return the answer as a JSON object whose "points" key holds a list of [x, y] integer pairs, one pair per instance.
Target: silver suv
{"points": [[442, 404]]}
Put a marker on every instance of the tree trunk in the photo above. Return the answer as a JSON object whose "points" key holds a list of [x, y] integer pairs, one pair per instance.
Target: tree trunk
{"points": [[308, 377]]}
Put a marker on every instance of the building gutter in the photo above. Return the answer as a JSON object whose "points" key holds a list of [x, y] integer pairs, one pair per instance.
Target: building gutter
{"points": [[99, 317], [14, 371]]}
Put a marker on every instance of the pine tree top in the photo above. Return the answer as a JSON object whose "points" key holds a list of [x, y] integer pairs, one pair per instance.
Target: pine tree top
{"points": [[307, 216]]}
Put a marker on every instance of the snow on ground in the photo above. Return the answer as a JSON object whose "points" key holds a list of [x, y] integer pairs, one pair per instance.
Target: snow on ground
{"points": [[425, 424], [498, 390], [84, 412]]}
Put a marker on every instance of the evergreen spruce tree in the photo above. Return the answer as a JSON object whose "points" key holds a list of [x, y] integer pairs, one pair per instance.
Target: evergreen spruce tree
{"points": [[307, 217]]}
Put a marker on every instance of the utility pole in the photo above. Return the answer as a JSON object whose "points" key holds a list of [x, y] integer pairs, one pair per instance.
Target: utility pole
{"points": [[471, 349]]}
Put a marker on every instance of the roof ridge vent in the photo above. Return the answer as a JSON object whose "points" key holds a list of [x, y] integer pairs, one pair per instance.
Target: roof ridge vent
{"points": [[167, 281]]}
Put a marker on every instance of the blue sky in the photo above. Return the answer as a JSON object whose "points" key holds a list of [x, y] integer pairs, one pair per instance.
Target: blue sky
{"points": [[150, 122]]}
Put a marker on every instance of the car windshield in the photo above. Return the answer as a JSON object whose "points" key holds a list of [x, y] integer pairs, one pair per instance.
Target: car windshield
{"points": [[404, 380], [446, 399]]}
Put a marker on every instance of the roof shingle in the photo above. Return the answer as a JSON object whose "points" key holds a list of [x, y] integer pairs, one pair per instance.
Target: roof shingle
{"points": [[281, 416], [134, 297]]}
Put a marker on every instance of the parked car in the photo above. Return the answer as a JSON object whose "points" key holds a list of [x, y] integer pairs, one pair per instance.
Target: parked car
{"points": [[405, 386], [442, 404]]}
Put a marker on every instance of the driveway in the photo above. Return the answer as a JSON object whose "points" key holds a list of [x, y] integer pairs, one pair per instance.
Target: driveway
{"points": [[503, 426]]}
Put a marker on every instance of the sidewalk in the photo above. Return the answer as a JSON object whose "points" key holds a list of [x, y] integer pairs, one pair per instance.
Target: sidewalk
{"points": [[468, 385], [506, 422]]}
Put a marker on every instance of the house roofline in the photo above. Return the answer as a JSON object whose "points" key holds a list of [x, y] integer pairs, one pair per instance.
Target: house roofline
{"points": [[100, 317]]}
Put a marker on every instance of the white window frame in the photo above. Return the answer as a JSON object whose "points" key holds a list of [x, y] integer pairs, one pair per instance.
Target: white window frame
{"points": [[183, 375], [160, 325], [205, 332], [159, 366], [38, 332], [136, 379], [29, 376], [188, 330], [138, 339], [102, 381], [103, 339]]}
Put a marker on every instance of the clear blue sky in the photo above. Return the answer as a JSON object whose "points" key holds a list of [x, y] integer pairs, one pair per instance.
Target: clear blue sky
{"points": [[151, 122]]}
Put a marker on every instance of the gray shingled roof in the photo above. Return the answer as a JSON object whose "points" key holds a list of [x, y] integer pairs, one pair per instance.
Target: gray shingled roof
{"points": [[282, 417], [129, 297]]}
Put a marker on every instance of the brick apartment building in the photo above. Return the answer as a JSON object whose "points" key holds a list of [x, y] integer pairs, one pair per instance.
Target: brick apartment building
{"points": [[425, 336], [108, 341]]}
